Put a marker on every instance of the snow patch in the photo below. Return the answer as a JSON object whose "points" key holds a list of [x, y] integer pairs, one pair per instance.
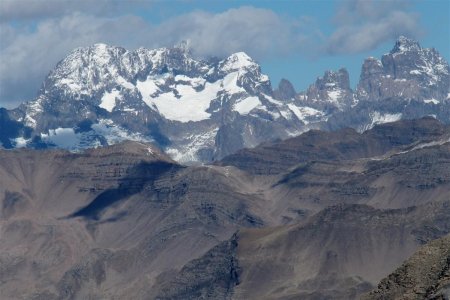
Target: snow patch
{"points": [[287, 114], [334, 95], [71, 84], [190, 106], [195, 82], [187, 104], [115, 134], [305, 112], [245, 106], [380, 118], [125, 83], [195, 142], [20, 142], [237, 61], [230, 85], [147, 89], [432, 100], [272, 100], [65, 138], [109, 100]]}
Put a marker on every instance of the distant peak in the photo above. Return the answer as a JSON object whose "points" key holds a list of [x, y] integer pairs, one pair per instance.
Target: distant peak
{"points": [[100, 45], [285, 90], [184, 45], [98, 48], [237, 61], [404, 44], [241, 56], [333, 73]]}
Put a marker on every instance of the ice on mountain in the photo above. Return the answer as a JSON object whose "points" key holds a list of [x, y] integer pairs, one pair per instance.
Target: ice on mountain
{"points": [[64, 138], [304, 113], [237, 61], [246, 105], [20, 142], [194, 142], [115, 134], [109, 100], [434, 101], [230, 85], [191, 105], [272, 100], [335, 95], [126, 84], [147, 89], [380, 118]]}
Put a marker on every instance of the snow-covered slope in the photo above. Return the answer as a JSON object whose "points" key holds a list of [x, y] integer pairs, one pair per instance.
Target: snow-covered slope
{"points": [[200, 110], [163, 95]]}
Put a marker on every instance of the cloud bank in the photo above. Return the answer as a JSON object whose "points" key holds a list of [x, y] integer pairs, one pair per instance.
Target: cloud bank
{"points": [[362, 25], [35, 35]]}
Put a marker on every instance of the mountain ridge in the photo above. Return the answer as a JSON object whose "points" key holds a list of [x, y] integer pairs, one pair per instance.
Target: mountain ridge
{"points": [[125, 222], [202, 110]]}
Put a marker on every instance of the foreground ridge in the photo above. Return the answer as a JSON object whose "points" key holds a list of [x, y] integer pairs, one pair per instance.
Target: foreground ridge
{"points": [[127, 221]]}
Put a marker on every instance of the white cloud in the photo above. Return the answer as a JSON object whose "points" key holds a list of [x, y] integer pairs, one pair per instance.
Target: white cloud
{"points": [[32, 52], [35, 35], [259, 32], [363, 25], [20, 10]]}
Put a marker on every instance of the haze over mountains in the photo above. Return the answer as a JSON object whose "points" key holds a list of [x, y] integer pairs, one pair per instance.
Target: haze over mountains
{"points": [[203, 110]]}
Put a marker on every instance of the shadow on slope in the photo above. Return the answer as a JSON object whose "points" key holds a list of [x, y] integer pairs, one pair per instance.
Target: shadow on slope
{"points": [[143, 173]]}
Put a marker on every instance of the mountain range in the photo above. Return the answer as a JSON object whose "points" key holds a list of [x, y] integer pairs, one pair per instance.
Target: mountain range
{"points": [[201, 110], [325, 215], [154, 174]]}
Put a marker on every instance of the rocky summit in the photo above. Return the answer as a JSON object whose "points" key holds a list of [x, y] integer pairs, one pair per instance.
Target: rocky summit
{"points": [[200, 110]]}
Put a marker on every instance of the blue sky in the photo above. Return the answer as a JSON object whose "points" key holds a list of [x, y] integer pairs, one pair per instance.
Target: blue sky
{"points": [[297, 40], [302, 69]]}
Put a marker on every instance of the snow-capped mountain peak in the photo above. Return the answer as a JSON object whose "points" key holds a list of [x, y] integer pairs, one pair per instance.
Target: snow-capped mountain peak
{"points": [[237, 61], [404, 44], [204, 109], [407, 71], [331, 91]]}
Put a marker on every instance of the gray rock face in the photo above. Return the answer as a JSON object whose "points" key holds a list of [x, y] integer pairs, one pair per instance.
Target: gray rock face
{"points": [[408, 82], [212, 276], [285, 90], [425, 275], [407, 71], [330, 92]]}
